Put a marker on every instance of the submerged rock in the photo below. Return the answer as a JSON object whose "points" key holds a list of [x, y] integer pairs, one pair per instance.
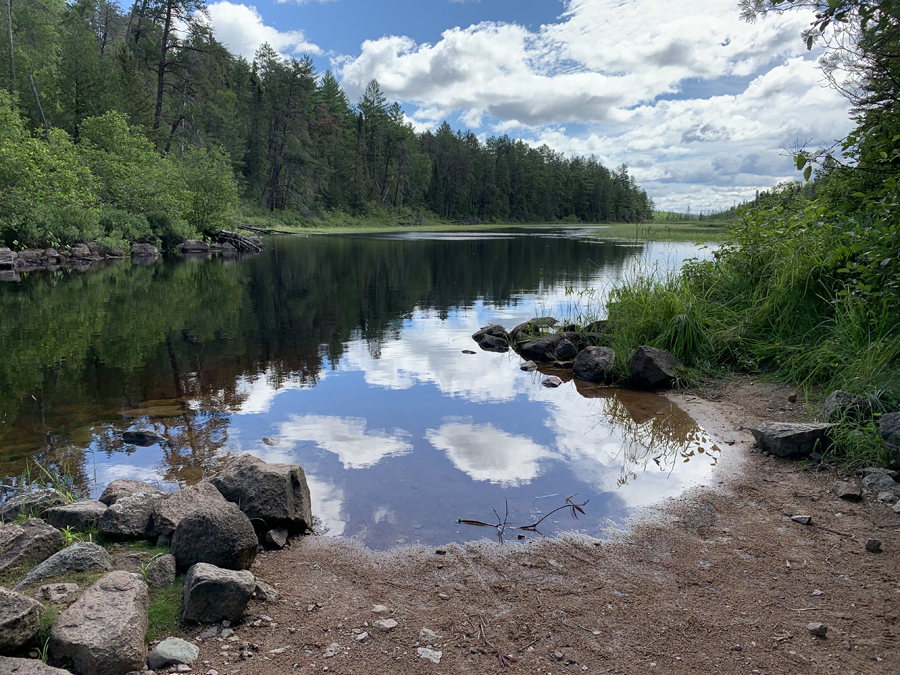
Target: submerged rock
{"points": [[492, 338], [595, 364], [143, 437]]}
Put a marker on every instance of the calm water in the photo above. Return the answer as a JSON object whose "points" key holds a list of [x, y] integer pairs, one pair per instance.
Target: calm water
{"points": [[349, 351]]}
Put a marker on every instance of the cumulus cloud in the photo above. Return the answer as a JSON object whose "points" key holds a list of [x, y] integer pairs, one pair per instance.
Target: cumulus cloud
{"points": [[241, 29], [486, 453], [619, 80], [356, 446]]}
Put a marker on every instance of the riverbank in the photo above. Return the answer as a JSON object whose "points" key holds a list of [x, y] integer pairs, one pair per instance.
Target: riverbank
{"points": [[721, 580]]}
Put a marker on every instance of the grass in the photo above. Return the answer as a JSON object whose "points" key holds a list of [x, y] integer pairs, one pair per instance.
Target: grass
{"points": [[165, 610]]}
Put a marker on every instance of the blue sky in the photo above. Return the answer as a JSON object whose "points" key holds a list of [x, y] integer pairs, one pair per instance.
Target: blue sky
{"points": [[699, 104]]}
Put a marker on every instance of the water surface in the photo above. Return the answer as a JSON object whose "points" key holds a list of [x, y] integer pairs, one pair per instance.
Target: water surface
{"points": [[349, 352]]}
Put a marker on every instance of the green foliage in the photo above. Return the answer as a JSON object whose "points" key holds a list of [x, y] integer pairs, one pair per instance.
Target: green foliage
{"points": [[213, 193]]}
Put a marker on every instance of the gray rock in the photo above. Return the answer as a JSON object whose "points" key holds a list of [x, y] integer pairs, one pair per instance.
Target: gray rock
{"points": [[595, 364], [221, 536], [887, 497], [879, 482], [530, 329], [171, 652], [80, 252], [842, 405], [803, 520], [528, 366], [276, 539], [123, 487], [7, 259], [144, 250], [784, 439], [131, 517], [817, 629], [169, 511], [79, 516], [143, 437], [13, 666], [542, 348], [385, 625], [873, 545], [20, 620], [264, 592], [273, 495], [193, 246], [102, 632], [848, 489], [565, 350], [31, 504], [897, 507], [81, 557], [889, 426], [28, 544], [212, 594], [270, 440], [56, 592], [878, 469], [161, 571], [492, 338], [429, 654], [563, 365], [552, 382], [651, 368]]}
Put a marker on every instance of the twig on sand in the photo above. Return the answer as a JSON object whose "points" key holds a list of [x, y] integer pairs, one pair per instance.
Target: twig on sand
{"points": [[502, 523]]}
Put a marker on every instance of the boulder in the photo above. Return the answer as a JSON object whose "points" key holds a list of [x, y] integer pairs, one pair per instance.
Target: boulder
{"points": [[79, 516], [131, 517], [784, 439], [80, 252], [542, 348], [565, 350], [28, 544], [525, 332], [20, 620], [890, 432], [273, 495], [595, 364], [222, 536], [161, 571], [213, 594], [171, 652], [102, 633], [842, 405], [552, 382], [276, 539], [31, 504], [881, 482], [12, 666], [82, 557], [264, 592], [651, 368], [492, 338], [143, 250], [143, 437], [193, 246], [168, 511], [850, 490], [123, 487], [55, 592], [7, 259]]}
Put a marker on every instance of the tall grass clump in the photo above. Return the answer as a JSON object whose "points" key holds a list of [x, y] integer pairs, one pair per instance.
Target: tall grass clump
{"points": [[776, 298]]}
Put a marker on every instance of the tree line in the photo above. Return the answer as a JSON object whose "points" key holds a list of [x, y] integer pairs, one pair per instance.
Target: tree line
{"points": [[290, 138]]}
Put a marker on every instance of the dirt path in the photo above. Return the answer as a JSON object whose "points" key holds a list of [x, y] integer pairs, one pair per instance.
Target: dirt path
{"points": [[721, 580]]}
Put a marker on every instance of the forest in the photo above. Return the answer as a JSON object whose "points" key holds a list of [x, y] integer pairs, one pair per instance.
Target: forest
{"points": [[123, 124]]}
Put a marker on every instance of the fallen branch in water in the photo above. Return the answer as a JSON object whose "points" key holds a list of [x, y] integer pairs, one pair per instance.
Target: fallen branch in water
{"points": [[502, 524]]}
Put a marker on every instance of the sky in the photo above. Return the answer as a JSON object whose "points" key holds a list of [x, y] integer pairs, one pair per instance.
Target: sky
{"points": [[703, 107]]}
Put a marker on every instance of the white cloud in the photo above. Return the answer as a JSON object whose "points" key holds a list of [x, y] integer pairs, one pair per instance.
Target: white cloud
{"points": [[356, 446], [490, 454], [241, 29], [628, 81]]}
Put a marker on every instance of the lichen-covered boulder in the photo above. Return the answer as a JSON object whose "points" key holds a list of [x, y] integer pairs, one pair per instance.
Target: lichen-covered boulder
{"points": [[168, 511], [102, 633], [30, 543], [222, 536], [272, 495], [214, 594], [20, 620], [82, 557], [652, 368], [122, 487], [79, 516], [131, 517], [595, 364]]}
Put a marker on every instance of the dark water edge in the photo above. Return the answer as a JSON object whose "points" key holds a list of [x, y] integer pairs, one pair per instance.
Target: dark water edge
{"points": [[348, 350]]}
